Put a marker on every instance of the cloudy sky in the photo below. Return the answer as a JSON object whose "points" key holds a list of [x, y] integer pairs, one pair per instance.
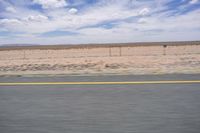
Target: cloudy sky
{"points": [[98, 21]]}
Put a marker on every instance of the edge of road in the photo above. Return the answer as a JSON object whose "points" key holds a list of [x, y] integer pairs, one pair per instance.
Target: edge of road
{"points": [[103, 80]]}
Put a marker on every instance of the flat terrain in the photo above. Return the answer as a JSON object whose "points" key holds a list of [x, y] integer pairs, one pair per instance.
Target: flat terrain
{"points": [[130, 58], [80, 46], [137, 65], [142, 108]]}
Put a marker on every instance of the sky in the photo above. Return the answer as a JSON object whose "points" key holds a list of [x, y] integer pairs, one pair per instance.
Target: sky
{"points": [[98, 21]]}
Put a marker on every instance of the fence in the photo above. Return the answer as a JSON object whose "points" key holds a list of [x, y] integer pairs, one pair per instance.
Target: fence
{"points": [[109, 51]]}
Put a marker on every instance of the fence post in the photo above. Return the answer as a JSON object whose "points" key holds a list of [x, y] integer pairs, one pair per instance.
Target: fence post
{"points": [[120, 51], [24, 54], [164, 50], [110, 51]]}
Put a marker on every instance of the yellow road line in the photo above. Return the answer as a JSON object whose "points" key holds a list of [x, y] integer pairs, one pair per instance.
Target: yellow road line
{"points": [[101, 83]]}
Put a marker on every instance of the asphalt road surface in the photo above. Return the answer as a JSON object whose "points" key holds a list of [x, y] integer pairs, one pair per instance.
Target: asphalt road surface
{"points": [[98, 108]]}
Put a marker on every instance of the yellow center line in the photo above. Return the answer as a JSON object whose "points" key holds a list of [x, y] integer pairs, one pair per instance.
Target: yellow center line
{"points": [[100, 83]]}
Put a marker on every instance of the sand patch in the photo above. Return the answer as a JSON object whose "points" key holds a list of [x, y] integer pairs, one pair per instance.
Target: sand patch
{"points": [[105, 65]]}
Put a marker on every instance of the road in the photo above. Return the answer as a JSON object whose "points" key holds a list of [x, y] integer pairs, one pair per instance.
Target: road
{"points": [[100, 108]]}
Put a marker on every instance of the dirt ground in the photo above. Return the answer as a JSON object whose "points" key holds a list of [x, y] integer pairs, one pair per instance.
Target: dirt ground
{"points": [[138, 65], [138, 59]]}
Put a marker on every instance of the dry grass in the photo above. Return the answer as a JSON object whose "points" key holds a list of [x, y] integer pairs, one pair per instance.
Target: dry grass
{"points": [[144, 58]]}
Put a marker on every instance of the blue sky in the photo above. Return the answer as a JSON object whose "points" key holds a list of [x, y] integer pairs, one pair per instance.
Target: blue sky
{"points": [[98, 21]]}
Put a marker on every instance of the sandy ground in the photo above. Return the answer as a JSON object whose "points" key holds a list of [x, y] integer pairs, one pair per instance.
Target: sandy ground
{"points": [[183, 57], [138, 65]]}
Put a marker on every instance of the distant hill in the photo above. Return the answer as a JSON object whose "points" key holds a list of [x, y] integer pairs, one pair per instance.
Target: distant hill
{"points": [[67, 46], [10, 45]]}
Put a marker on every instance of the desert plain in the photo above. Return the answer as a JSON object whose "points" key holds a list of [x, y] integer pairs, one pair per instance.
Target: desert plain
{"points": [[100, 59]]}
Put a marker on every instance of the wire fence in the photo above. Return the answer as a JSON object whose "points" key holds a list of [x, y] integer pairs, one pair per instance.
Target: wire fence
{"points": [[121, 51]]}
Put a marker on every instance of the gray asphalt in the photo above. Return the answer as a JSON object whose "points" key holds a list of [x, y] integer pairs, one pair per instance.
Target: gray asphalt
{"points": [[149, 108]]}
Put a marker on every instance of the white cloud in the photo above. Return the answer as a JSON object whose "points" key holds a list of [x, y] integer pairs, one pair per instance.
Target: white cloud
{"points": [[73, 11], [37, 18], [51, 3], [144, 11], [193, 1], [11, 22], [142, 21], [62, 19], [11, 9]]}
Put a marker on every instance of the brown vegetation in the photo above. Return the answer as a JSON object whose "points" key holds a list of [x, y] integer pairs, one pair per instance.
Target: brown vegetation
{"points": [[126, 59]]}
